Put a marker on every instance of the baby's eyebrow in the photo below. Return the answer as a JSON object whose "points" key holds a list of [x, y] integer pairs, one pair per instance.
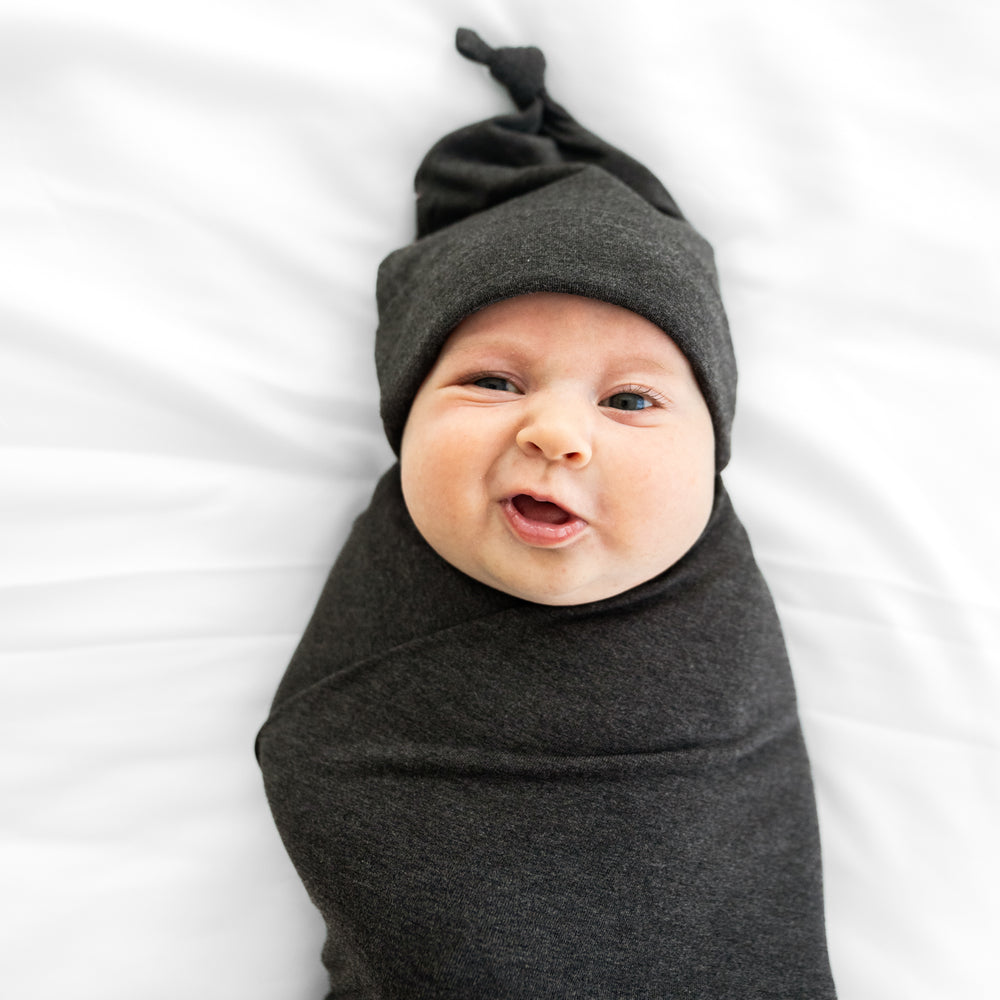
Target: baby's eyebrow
{"points": [[624, 366], [495, 352]]}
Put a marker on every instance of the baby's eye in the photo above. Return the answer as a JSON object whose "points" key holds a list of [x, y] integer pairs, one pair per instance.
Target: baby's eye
{"points": [[627, 401], [496, 382]]}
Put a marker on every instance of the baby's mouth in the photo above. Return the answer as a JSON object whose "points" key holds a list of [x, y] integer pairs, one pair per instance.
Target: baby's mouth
{"points": [[540, 510], [541, 523]]}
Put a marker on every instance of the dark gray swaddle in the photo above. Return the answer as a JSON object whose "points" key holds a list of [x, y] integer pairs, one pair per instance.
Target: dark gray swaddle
{"points": [[490, 798]]}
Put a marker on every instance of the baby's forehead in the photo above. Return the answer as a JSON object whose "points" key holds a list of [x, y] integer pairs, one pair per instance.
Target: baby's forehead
{"points": [[555, 322]]}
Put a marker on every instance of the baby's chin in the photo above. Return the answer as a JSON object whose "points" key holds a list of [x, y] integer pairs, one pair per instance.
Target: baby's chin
{"points": [[556, 591]]}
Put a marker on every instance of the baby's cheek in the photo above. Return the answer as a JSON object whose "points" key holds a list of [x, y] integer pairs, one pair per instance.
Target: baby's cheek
{"points": [[677, 503], [433, 493], [416, 477]]}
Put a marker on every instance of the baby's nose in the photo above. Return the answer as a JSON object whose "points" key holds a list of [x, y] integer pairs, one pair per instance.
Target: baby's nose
{"points": [[558, 431]]}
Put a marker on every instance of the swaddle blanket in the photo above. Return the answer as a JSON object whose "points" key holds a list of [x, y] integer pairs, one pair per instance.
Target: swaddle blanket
{"points": [[491, 798]]}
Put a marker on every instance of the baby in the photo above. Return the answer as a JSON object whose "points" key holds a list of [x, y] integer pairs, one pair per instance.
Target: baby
{"points": [[540, 737]]}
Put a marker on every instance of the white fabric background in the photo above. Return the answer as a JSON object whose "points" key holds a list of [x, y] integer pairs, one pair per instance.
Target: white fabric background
{"points": [[194, 198]]}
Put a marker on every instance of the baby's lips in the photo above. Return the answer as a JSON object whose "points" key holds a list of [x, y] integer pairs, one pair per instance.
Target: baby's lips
{"points": [[526, 516], [546, 511], [528, 497]]}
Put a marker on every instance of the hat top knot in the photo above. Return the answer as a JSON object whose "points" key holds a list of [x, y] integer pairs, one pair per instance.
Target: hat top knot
{"points": [[520, 69]]}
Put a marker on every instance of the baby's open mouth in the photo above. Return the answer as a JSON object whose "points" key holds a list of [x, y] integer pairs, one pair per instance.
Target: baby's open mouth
{"points": [[540, 510], [542, 523]]}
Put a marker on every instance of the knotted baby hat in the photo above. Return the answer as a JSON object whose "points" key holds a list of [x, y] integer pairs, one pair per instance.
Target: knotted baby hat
{"points": [[532, 201]]}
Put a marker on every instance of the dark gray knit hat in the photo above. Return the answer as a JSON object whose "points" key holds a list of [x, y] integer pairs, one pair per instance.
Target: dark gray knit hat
{"points": [[533, 202]]}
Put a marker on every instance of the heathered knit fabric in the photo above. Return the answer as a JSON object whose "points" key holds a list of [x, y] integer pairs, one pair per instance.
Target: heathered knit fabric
{"points": [[585, 234], [491, 799]]}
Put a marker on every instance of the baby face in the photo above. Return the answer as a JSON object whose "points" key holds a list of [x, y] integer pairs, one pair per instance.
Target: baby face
{"points": [[559, 450]]}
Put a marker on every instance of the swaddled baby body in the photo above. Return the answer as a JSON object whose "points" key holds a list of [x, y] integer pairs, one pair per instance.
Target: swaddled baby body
{"points": [[540, 736]]}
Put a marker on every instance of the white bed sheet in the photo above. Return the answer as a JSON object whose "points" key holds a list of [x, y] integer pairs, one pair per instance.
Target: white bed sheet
{"points": [[193, 201]]}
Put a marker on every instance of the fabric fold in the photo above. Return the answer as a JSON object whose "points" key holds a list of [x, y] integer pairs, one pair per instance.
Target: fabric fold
{"points": [[492, 798]]}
